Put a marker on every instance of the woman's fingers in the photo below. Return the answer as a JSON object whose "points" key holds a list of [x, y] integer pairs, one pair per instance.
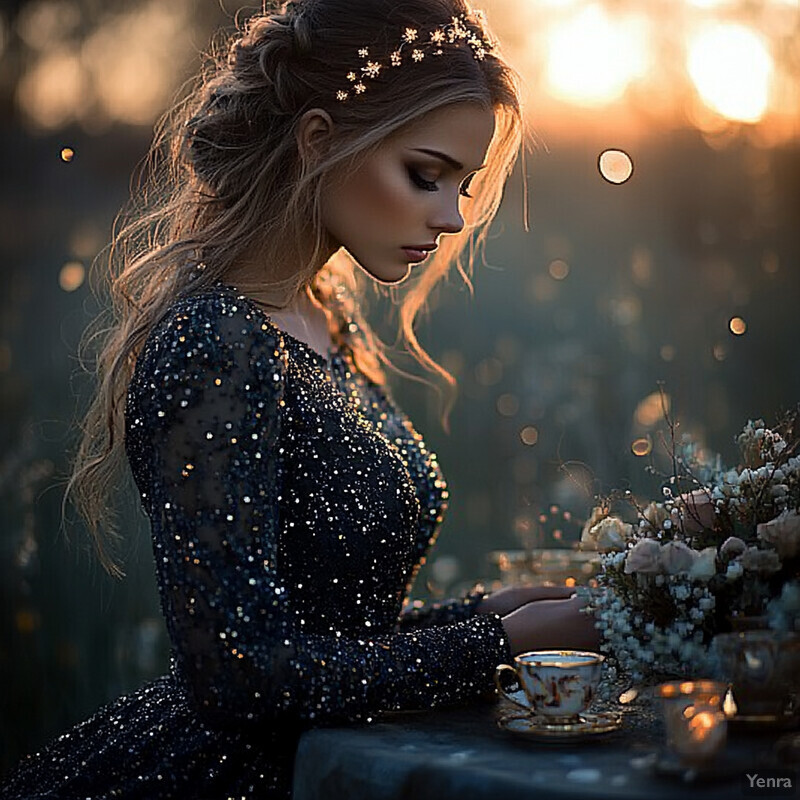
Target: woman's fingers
{"points": [[505, 600], [548, 592], [552, 623]]}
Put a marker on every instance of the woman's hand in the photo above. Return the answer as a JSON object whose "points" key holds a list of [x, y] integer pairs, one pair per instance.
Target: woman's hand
{"points": [[551, 625], [510, 598]]}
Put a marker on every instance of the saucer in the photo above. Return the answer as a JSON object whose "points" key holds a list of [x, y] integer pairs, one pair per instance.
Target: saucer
{"points": [[542, 729]]}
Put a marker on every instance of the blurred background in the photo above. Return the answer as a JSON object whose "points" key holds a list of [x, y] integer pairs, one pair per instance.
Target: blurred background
{"points": [[663, 251]]}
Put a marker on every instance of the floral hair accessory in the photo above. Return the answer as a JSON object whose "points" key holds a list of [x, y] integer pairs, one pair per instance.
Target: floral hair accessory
{"points": [[454, 33]]}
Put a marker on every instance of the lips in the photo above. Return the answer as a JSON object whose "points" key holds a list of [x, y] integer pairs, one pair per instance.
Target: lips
{"points": [[415, 255], [419, 252], [430, 246]]}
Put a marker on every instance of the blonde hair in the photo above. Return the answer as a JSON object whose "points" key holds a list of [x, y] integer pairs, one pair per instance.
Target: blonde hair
{"points": [[224, 175]]}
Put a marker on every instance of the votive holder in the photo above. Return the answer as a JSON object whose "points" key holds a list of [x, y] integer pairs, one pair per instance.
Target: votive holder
{"points": [[694, 718]]}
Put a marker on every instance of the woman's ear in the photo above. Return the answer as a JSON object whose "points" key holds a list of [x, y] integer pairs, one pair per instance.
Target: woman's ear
{"points": [[313, 132]]}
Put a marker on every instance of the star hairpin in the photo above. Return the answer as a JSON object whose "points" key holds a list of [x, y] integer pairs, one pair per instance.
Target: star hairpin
{"points": [[453, 33]]}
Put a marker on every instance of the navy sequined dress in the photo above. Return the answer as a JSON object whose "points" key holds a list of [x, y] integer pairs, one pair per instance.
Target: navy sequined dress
{"points": [[291, 503]]}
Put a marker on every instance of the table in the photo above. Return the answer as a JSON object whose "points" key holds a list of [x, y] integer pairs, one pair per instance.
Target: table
{"points": [[462, 753]]}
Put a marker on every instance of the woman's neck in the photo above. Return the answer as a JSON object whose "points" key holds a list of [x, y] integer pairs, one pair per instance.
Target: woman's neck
{"points": [[303, 318], [301, 315]]}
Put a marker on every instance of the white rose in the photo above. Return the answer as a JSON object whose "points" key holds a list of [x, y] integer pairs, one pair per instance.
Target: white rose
{"points": [[757, 560], [705, 565], [783, 532], [598, 513], [733, 546], [644, 557], [610, 534], [677, 557]]}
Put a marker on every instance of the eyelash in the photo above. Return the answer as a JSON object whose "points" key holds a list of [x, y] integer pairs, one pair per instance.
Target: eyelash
{"points": [[430, 186]]}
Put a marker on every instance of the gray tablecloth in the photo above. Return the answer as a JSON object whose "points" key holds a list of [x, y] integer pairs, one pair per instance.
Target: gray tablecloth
{"points": [[462, 753]]}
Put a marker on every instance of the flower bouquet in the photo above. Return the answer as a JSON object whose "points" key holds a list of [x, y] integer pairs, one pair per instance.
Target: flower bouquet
{"points": [[720, 547]]}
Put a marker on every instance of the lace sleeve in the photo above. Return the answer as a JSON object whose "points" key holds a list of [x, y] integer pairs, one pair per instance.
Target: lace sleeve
{"points": [[210, 395], [419, 614]]}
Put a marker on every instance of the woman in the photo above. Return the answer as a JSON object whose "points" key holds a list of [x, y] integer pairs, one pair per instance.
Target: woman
{"points": [[291, 501]]}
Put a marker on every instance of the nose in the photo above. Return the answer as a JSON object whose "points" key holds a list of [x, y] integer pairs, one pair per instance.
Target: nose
{"points": [[447, 218]]}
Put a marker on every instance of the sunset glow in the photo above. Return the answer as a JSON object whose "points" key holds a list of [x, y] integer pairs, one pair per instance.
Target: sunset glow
{"points": [[705, 63], [592, 58], [732, 69]]}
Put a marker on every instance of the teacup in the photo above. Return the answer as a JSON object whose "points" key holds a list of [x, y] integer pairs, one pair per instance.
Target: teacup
{"points": [[559, 684]]}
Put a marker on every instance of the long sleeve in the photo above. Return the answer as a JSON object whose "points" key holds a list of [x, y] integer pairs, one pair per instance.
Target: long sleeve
{"points": [[419, 614], [210, 400]]}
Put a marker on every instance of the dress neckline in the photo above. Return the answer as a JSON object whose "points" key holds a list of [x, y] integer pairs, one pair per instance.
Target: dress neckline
{"points": [[332, 353]]}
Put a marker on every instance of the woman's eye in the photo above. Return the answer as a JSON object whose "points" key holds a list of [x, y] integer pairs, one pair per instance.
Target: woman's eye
{"points": [[428, 186]]}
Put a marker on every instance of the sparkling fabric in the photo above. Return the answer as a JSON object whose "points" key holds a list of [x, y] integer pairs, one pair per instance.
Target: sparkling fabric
{"points": [[291, 504]]}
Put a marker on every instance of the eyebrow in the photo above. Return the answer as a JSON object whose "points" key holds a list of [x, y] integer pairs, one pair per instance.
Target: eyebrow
{"points": [[444, 157]]}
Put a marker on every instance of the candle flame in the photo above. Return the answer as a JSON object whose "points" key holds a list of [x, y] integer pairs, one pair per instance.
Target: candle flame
{"points": [[729, 705]]}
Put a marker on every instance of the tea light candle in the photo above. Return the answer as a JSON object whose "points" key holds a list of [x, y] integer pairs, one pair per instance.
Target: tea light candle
{"points": [[705, 734], [695, 721]]}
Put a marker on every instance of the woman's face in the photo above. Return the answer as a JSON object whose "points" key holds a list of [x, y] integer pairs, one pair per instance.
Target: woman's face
{"points": [[408, 192]]}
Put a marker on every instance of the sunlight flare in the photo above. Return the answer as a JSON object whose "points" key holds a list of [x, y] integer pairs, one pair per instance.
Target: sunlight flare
{"points": [[731, 67], [592, 58]]}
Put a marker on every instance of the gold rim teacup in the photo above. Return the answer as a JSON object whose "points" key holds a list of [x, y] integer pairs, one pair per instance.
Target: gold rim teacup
{"points": [[558, 684]]}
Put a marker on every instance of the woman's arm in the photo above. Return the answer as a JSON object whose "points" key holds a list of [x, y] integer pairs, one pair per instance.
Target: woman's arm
{"points": [[209, 394], [510, 598], [426, 614], [477, 601]]}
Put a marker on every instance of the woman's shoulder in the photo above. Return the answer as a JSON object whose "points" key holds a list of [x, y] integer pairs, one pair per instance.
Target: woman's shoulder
{"points": [[216, 312], [213, 328], [207, 349]]}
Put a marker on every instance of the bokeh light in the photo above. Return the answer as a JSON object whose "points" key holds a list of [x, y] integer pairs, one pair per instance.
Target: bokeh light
{"points": [[625, 310], [122, 70], [67, 154], [668, 352], [43, 24], [71, 276], [732, 68], [652, 409], [508, 404], [642, 446], [737, 326], [529, 435], [55, 91], [558, 269], [592, 58], [616, 166]]}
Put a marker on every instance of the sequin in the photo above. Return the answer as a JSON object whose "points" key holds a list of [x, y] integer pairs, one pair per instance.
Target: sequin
{"points": [[291, 504]]}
